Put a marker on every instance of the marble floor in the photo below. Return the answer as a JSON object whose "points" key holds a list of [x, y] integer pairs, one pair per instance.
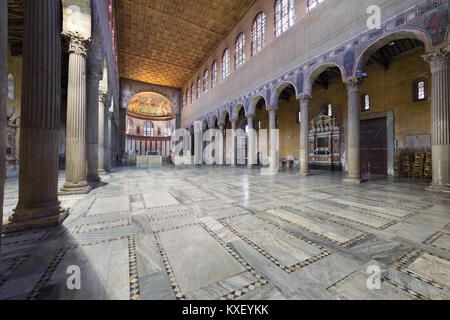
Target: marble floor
{"points": [[231, 233]]}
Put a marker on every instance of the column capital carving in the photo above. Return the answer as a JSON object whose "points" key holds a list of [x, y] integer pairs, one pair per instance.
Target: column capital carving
{"points": [[303, 97], [78, 44], [353, 84], [94, 76], [250, 115], [271, 108], [102, 96], [438, 59]]}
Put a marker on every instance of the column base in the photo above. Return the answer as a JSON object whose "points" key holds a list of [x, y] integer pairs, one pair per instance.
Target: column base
{"points": [[93, 179], [355, 180], [75, 188], [304, 174], [102, 172], [25, 219], [438, 188]]}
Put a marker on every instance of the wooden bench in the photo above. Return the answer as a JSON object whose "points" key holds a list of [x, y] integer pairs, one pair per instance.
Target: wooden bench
{"points": [[286, 162]]}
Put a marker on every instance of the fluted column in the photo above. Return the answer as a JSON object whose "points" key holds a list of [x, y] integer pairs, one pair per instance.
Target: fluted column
{"points": [[274, 152], [233, 142], [38, 204], [76, 118], [304, 146], [439, 62], [101, 132], [3, 95], [251, 153], [94, 75], [354, 165]]}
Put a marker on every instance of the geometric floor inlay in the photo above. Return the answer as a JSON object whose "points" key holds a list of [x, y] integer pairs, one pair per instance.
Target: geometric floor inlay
{"points": [[331, 230], [289, 251], [426, 267], [206, 260], [439, 240]]}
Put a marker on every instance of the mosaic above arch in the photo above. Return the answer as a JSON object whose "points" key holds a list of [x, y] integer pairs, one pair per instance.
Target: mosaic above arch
{"points": [[150, 105]]}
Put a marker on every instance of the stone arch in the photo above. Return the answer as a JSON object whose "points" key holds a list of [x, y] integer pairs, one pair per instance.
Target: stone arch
{"points": [[236, 109], [315, 73], [378, 43], [212, 121], [223, 116], [254, 101], [277, 91]]}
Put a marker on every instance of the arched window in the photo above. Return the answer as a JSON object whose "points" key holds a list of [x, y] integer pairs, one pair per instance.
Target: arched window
{"points": [[192, 93], [214, 74], [258, 33], [149, 128], [130, 126], [11, 86], [365, 102], [187, 97], [168, 129], [226, 63], [205, 81], [199, 87], [284, 15], [420, 90], [239, 51]]}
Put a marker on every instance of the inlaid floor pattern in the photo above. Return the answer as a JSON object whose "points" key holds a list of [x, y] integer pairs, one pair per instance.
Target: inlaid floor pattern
{"points": [[163, 233]]}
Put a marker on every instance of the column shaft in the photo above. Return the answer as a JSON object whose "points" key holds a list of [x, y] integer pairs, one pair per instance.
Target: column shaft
{"points": [[101, 133], [251, 152], [221, 145], [274, 152], [304, 146], [94, 75], [440, 118], [76, 168], [233, 142], [3, 95], [92, 126], [38, 204], [354, 166]]}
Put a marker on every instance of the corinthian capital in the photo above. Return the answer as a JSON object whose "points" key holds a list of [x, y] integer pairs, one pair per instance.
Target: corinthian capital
{"points": [[353, 84], [78, 44], [271, 108], [102, 96], [438, 59], [303, 97]]}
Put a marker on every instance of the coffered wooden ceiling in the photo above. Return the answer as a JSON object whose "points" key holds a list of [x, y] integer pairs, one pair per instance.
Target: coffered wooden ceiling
{"points": [[165, 41]]}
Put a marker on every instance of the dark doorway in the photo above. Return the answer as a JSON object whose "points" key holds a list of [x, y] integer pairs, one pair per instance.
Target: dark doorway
{"points": [[373, 146]]}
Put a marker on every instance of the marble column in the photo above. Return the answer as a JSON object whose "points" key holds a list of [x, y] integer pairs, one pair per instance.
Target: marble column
{"points": [[3, 101], [76, 167], [101, 132], [251, 152], [198, 143], [221, 151], [304, 145], [354, 165], [108, 141], [439, 62], [274, 152], [38, 204], [94, 75], [233, 142]]}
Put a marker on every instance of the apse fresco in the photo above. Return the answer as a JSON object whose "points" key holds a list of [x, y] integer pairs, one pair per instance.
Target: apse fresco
{"points": [[151, 105]]}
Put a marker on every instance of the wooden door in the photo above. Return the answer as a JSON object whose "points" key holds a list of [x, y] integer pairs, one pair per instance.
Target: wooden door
{"points": [[373, 145]]}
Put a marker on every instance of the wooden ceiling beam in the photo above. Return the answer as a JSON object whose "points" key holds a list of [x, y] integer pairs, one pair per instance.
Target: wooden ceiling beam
{"points": [[166, 15], [158, 60]]}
